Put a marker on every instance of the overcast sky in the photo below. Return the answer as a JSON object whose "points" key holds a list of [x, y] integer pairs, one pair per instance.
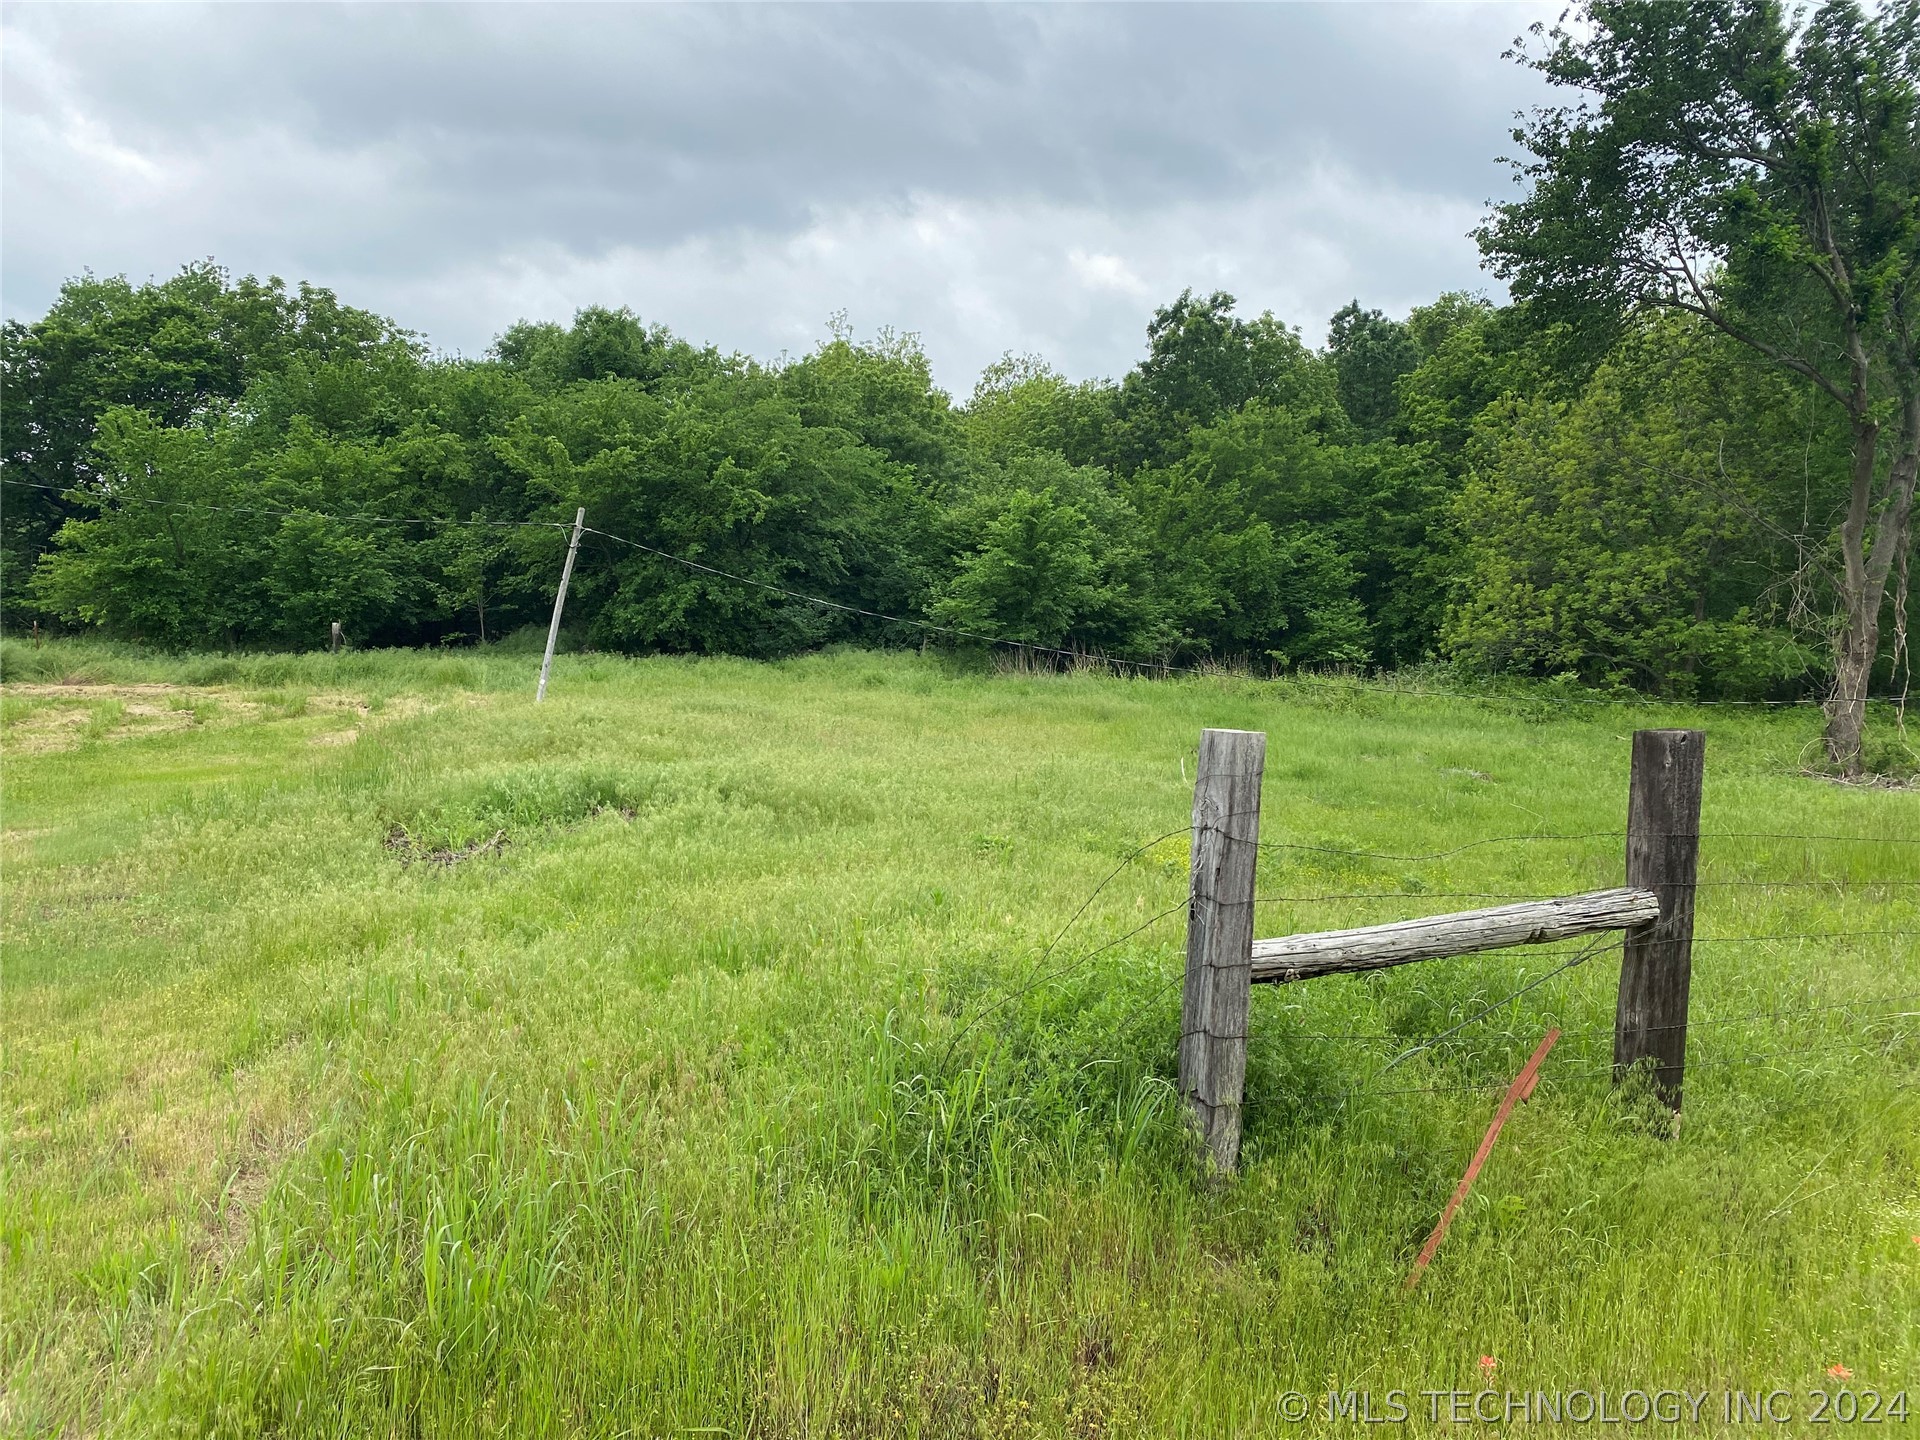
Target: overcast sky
{"points": [[994, 177]]}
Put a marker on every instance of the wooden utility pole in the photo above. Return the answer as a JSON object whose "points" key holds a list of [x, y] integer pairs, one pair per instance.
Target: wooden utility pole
{"points": [[1213, 1008], [1663, 855], [560, 602]]}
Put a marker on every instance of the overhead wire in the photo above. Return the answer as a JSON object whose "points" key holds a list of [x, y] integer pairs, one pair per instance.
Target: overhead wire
{"points": [[1370, 688]]}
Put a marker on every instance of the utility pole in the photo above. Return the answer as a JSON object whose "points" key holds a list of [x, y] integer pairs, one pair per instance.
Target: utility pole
{"points": [[560, 601]]}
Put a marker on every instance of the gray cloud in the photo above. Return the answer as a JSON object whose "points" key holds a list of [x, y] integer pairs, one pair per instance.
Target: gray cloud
{"points": [[992, 176]]}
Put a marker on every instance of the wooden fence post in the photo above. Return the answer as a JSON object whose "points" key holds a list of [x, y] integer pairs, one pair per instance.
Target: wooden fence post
{"points": [[333, 639], [1663, 855], [1213, 1008]]}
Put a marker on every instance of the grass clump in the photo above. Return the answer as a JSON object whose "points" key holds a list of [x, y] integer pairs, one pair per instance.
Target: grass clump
{"points": [[515, 801]]}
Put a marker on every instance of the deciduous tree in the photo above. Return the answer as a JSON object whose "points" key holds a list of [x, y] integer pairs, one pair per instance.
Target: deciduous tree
{"points": [[1761, 171]]}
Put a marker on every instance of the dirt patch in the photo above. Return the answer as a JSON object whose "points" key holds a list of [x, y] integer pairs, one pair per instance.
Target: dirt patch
{"points": [[228, 1219], [411, 851]]}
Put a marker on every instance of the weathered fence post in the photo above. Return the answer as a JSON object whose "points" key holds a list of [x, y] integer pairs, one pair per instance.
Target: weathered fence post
{"points": [[1213, 1008], [333, 639], [1663, 855]]}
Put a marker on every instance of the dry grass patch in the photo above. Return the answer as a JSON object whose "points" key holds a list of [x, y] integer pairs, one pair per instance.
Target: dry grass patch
{"points": [[41, 719]]}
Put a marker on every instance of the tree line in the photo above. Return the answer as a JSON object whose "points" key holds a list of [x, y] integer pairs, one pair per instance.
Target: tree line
{"points": [[1680, 459]]}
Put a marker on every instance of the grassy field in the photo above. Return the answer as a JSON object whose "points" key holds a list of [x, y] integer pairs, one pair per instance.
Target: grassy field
{"points": [[387, 1055]]}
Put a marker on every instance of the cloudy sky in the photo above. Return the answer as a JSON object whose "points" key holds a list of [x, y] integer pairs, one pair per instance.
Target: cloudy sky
{"points": [[994, 177]]}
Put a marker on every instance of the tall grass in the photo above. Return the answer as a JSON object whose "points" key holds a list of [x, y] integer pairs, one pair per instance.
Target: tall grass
{"points": [[731, 1093]]}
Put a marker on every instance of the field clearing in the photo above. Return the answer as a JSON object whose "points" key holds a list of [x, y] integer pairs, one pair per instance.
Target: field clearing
{"points": [[387, 1055]]}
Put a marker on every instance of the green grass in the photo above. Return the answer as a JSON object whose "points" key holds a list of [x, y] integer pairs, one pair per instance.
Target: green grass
{"points": [[326, 1115]]}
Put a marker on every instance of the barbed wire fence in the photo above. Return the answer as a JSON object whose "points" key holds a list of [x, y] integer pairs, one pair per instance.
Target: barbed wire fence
{"points": [[1875, 1022]]}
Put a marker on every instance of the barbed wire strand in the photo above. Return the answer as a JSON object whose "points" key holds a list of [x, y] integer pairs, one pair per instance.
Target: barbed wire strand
{"points": [[1598, 947], [1066, 969], [1716, 1062], [1584, 835], [1534, 896], [1577, 1032]]}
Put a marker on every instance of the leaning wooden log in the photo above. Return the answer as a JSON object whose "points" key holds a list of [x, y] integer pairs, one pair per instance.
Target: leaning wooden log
{"points": [[1374, 947]]}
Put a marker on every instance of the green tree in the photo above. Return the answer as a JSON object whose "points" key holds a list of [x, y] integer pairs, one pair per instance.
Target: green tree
{"points": [[1377, 514], [1232, 585], [1022, 404], [881, 393], [1760, 172], [1472, 358], [600, 344], [1048, 554], [728, 475], [1204, 362], [1592, 550], [1370, 354], [173, 350], [168, 556]]}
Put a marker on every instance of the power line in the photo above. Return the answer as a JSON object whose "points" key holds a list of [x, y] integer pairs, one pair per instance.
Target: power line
{"points": [[1164, 667], [926, 625]]}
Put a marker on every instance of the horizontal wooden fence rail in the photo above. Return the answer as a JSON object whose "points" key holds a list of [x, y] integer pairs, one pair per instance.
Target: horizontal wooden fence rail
{"points": [[1433, 937]]}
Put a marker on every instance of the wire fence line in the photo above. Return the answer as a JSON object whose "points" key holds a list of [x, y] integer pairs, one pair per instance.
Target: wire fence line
{"points": [[1718, 1062], [927, 626], [1583, 835], [1803, 935], [1157, 994], [1533, 895], [1856, 1007], [1581, 957], [1868, 1012], [1583, 1066], [1138, 851]]}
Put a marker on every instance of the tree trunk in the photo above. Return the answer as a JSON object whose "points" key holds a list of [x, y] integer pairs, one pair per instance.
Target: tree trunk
{"points": [[1854, 650], [1868, 544]]}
